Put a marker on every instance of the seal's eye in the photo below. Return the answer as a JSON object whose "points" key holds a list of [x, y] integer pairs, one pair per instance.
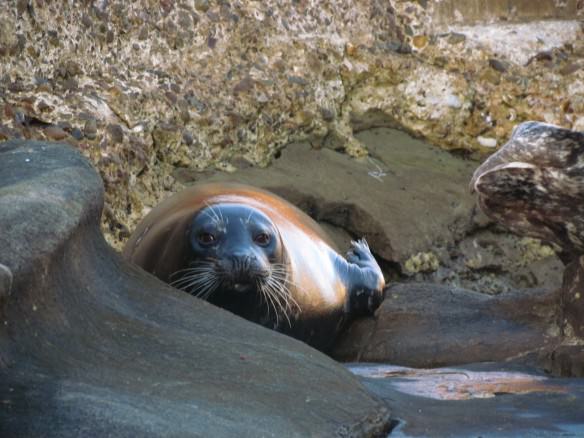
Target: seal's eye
{"points": [[262, 239], [206, 238]]}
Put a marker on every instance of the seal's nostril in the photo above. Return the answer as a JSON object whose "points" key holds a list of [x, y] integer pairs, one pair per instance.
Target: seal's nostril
{"points": [[241, 265]]}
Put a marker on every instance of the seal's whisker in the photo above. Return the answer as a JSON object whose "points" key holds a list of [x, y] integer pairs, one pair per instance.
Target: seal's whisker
{"points": [[284, 278], [290, 301], [210, 289], [263, 294], [194, 266], [199, 283], [249, 217], [270, 300], [190, 277], [282, 296], [206, 288], [212, 213], [276, 300]]}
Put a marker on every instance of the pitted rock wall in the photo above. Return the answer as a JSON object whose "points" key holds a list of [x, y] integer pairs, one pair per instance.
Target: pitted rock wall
{"points": [[143, 88]]}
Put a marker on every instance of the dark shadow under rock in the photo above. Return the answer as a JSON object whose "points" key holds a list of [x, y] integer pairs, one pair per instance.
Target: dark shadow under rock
{"points": [[91, 346], [428, 325]]}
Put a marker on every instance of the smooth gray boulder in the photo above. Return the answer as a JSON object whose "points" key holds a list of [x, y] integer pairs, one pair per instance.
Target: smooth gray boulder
{"points": [[91, 346]]}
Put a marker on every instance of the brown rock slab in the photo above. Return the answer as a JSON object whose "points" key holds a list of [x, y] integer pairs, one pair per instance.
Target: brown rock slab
{"points": [[390, 197], [428, 325], [92, 346]]}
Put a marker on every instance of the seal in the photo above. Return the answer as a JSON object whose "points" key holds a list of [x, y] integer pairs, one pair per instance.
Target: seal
{"points": [[534, 185], [253, 253]]}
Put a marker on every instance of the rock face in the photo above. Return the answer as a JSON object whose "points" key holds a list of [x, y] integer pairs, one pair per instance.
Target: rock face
{"points": [[146, 87], [91, 345]]}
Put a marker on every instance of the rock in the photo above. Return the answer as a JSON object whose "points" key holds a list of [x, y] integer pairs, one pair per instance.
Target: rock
{"points": [[564, 361], [8, 38], [531, 185], [355, 60], [116, 133], [487, 142], [77, 134], [420, 41], [481, 400], [572, 292], [456, 38], [55, 133], [421, 262], [297, 80], [570, 68], [427, 325], [90, 129], [89, 342], [498, 65], [5, 282]]}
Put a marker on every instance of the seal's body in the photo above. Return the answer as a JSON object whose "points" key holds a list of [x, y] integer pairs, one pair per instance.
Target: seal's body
{"points": [[256, 255]]}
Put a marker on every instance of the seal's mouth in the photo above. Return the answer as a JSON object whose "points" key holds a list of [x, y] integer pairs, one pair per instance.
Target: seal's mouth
{"points": [[242, 287]]}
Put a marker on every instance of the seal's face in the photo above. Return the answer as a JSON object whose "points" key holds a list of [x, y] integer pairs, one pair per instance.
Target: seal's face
{"points": [[236, 261]]}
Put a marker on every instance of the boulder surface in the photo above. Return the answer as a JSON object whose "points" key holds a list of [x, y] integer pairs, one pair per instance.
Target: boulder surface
{"points": [[92, 346]]}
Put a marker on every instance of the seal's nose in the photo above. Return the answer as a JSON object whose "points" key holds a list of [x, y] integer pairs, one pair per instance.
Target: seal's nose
{"points": [[241, 264]]}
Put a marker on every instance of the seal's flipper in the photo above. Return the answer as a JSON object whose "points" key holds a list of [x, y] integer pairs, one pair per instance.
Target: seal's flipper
{"points": [[364, 280]]}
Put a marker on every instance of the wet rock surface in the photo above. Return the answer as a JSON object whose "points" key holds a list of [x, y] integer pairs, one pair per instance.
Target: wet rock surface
{"points": [[487, 400], [91, 345]]}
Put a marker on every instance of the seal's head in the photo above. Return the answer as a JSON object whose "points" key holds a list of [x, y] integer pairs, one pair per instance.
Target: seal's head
{"points": [[236, 260]]}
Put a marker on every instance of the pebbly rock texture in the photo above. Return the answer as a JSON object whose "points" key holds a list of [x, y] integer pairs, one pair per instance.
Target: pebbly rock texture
{"points": [[146, 87], [410, 201], [428, 325], [487, 400], [92, 345]]}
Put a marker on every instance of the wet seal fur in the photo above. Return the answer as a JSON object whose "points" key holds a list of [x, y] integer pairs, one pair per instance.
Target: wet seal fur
{"points": [[534, 185], [256, 255]]}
